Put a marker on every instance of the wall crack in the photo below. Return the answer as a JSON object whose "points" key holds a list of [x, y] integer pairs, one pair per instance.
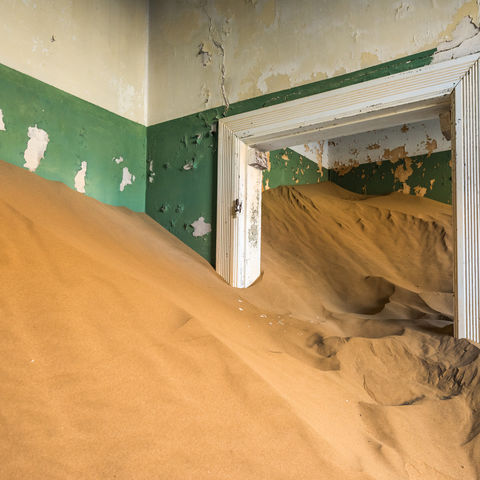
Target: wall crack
{"points": [[217, 41]]}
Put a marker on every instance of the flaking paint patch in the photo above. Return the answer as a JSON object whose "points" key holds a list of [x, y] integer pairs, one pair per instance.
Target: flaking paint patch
{"points": [[420, 191], [465, 41], [431, 146], [395, 154], [151, 173], [2, 123], [403, 172], [80, 178], [118, 160], [343, 169], [434, 174], [127, 179], [205, 53], [36, 146], [200, 227], [314, 151], [393, 143]]}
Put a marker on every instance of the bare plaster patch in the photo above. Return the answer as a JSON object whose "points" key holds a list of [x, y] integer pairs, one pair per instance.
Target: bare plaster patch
{"points": [[36, 147], [151, 173], [127, 179], [200, 227], [80, 178], [2, 123]]}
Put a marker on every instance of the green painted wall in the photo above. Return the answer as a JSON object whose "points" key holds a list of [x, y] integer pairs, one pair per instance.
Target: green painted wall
{"points": [[182, 177], [423, 175], [78, 131], [290, 168], [176, 197]]}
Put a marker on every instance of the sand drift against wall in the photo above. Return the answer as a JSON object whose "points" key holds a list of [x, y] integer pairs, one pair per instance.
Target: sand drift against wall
{"points": [[125, 355]]}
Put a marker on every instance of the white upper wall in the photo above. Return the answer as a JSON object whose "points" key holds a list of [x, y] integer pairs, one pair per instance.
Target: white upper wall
{"points": [[231, 50], [204, 54], [94, 49]]}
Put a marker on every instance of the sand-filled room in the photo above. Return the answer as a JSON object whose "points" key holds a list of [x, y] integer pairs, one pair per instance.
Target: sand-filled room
{"points": [[240, 239]]}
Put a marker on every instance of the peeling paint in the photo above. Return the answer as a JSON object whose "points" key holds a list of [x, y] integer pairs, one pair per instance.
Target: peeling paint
{"points": [[77, 130], [80, 178], [396, 154], [36, 147], [316, 152], [127, 179], [392, 144], [2, 123], [403, 172], [431, 146], [344, 168], [216, 38], [421, 175], [420, 191], [200, 227], [175, 140], [293, 46], [118, 160], [151, 173], [261, 160], [288, 167], [465, 40], [205, 54]]}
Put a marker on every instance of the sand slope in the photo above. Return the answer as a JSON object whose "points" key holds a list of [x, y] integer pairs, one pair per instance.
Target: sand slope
{"points": [[125, 356]]}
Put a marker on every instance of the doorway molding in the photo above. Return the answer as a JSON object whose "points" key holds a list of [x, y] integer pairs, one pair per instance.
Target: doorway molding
{"points": [[406, 97]]}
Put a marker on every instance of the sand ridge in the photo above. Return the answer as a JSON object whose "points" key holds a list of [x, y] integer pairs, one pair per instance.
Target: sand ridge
{"points": [[126, 356]]}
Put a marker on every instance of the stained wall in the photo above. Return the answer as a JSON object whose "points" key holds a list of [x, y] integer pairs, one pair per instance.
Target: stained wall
{"points": [[218, 52]]}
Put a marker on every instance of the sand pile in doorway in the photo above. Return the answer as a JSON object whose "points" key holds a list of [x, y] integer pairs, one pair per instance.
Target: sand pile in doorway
{"points": [[125, 356]]}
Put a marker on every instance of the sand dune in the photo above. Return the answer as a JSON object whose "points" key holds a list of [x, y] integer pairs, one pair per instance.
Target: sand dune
{"points": [[126, 356]]}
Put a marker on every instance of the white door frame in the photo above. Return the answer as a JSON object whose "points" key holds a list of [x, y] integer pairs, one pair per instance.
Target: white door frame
{"points": [[405, 97]]}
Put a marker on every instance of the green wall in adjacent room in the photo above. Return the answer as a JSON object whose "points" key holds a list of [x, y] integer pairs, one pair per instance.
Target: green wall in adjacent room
{"points": [[424, 175], [176, 197], [78, 131], [288, 167]]}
